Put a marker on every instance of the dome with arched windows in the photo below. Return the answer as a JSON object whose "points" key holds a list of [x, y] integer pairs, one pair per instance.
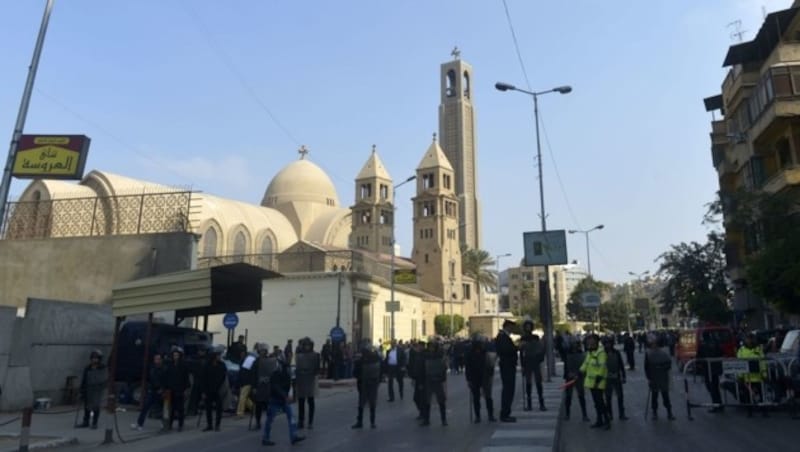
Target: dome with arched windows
{"points": [[301, 181]]}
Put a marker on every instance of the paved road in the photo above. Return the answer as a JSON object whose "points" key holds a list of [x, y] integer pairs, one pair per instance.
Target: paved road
{"points": [[396, 429], [728, 431]]}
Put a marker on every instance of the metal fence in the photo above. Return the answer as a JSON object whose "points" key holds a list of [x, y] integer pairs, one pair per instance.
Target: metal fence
{"points": [[94, 216]]}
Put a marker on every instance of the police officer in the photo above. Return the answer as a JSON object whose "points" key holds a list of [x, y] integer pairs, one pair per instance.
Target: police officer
{"points": [[507, 352], [176, 379], [435, 380], [306, 374], [757, 367], [572, 373], [616, 377], [710, 370], [213, 378], [531, 351], [93, 383], [657, 364], [594, 372], [416, 371], [264, 367], [367, 370], [479, 370]]}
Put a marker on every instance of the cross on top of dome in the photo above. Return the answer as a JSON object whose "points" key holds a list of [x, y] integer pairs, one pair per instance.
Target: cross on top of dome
{"points": [[303, 151]]}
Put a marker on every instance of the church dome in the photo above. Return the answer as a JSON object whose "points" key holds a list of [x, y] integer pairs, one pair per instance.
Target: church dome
{"points": [[301, 181]]}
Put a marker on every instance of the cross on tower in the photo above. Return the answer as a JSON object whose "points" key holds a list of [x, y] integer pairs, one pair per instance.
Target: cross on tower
{"points": [[302, 151], [456, 53]]}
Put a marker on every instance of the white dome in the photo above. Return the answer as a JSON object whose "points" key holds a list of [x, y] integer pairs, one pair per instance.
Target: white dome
{"points": [[301, 181]]}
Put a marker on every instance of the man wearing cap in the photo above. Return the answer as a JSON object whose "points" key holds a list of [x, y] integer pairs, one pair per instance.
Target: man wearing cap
{"points": [[507, 353]]}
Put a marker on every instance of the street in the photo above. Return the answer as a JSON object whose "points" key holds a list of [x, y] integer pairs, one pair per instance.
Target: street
{"points": [[728, 431]]}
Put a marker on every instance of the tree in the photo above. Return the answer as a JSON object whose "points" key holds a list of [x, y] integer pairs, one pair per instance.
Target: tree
{"points": [[442, 322], [614, 316], [478, 265], [529, 304], [575, 309], [694, 275]]}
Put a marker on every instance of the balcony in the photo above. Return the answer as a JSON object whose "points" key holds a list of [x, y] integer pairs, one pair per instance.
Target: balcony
{"points": [[736, 80], [775, 116], [782, 180], [719, 132]]}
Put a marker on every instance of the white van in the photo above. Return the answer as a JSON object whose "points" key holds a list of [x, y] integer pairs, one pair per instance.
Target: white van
{"points": [[791, 343]]}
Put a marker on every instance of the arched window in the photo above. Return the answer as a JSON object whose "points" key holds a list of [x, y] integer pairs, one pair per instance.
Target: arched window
{"points": [[239, 246], [466, 84], [266, 245], [210, 242], [451, 83]]}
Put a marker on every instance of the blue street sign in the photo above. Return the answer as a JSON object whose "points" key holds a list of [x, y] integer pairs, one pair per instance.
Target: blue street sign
{"points": [[230, 320], [337, 334]]}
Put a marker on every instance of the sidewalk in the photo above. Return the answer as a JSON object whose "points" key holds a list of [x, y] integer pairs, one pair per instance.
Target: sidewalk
{"points": [[534, 431], [54, 428]]}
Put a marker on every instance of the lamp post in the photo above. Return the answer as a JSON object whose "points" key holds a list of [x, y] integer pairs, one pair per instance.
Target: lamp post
{"points": [[391, 271], [639, 277], [452, 298], [586, 234], [548, 320], [497, 262]]}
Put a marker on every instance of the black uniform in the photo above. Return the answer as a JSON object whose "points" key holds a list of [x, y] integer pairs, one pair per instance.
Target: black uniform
{"points": [[416, 371], [614, 380], [435, 380], [572, 371], [531, 352], [479, 369], [367, 370], [177, 382], [710, 370], [507, 352], [629, 345], [264, 367], [214, 377]]}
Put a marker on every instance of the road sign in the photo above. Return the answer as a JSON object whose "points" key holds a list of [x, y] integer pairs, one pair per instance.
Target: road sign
{"points": [[230, 320], [545, 248], [590, 300], [405, 276], [392, 306], [337, 334]]}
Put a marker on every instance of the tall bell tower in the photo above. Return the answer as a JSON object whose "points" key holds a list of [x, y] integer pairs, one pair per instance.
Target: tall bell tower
{"points": [[373, 212], [457, 134], [437, 252]]}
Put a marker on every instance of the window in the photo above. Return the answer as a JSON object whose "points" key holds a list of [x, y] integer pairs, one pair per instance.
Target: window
{"points": [[452, 269], [239, 246], [366, 217], [266, 245], [428, 181], [466, 84], [424, 328], [414, 334], [446, 181], [210, 242], [450, 90], [467, 293], [384, 192], [366, 191], [450, 208], [386, 241], [426, 258], [451, 234], [757, 171], [386, 217], [784, 153], [428, 208]]}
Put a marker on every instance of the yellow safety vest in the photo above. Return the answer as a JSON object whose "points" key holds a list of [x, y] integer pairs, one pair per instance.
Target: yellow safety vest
{"points": [[750, 353], [594, 369]]}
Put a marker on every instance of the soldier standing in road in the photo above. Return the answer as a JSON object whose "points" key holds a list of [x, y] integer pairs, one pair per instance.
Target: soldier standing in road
{"points": [[196, 368], [176, 382], [572, 377], [594, 372], [93, 383], [416, 370], [264, 367], [657, 364], [307, 374], [616, 378], [213, 379], [367, 370], [507, 352], [435, 381], [531, 351], [479, 370]]}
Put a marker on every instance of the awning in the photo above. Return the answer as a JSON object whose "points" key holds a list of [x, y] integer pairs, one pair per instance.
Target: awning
{"points": [[775, 24], [713, 103], [194, 293]]}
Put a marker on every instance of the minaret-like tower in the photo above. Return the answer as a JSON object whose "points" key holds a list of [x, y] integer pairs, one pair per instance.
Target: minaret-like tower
{"points": [[373, 212], [457, 132], [437, 253]]}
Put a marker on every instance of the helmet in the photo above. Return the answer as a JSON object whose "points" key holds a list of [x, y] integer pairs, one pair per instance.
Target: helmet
{"points": [[216, 349], [176, 348], [96, 354]]}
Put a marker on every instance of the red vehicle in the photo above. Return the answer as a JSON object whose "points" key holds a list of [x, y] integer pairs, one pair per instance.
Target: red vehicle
{"points": [[690, 340]]}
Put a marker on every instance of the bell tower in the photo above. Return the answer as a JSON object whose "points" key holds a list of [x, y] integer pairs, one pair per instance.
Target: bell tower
{"points": [[457, 132], [373, 212], [437, 253]]}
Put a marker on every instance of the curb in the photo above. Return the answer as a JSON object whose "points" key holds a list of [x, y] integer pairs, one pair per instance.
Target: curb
{"points": [[48, 443], [557, 446]]}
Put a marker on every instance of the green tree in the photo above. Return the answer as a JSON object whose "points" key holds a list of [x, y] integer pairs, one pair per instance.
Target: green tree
{"points": [[575, 309], [614, 316], [529, 304], [694, 275], [478, 265], [441, 324]]}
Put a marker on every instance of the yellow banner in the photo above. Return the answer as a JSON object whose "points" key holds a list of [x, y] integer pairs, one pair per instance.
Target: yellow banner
{"points": [[47, 161]]}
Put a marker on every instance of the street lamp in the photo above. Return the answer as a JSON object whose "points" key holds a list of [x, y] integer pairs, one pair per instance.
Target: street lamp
{"points": [[586, 234], [546, 305], [497, 261], [391, 271]]}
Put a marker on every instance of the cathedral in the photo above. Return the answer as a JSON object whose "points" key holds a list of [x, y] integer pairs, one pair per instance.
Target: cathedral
{"points": [[325, 251]]}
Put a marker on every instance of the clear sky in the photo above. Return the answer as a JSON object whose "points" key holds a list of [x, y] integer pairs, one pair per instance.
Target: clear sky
{"points": [[181, 92]]}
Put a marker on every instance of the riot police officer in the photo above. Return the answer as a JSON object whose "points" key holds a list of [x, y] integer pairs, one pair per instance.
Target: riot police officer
{"points": [[367, 370], [306, 374], [435, 380]]}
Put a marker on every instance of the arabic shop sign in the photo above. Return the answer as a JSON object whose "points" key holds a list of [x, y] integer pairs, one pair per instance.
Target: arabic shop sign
{"points": [[51, 156]]}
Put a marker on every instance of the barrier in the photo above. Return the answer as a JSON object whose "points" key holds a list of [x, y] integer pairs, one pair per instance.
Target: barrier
{"points": [[725, 378]]}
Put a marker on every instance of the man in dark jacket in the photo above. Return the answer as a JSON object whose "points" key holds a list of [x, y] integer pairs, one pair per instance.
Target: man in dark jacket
{"points": [[416, 371], [395, 363], [367, 370], [657, 365], [435, 381], [615, 378], [479, 370], [531, 351], [280, 383], [176, 379], [574, 379], [710, 370], [196, 368], [629, 345], [507, 353], [213, 379], [306, 383], [155, 389], [264, 367], [93, 383], [237, 351]]}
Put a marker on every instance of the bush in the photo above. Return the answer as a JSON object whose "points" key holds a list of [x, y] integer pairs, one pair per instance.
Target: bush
{"points": [[441, 324]]}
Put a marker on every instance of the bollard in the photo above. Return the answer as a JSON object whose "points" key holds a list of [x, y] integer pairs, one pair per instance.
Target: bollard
{"points": [[108, 437], [25, 433]]}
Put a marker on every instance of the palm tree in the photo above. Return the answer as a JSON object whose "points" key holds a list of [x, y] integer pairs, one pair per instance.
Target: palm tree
{"points": [[478, 265]]}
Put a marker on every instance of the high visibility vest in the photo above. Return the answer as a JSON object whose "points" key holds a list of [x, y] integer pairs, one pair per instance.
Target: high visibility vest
{"points": [[594, 369], [750, 353]]}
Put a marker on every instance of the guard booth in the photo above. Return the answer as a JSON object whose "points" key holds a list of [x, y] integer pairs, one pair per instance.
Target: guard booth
{"points": [[194, 293]]}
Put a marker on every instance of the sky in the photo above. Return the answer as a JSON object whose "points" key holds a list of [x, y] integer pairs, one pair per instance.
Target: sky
{"points": [[218, 96]]}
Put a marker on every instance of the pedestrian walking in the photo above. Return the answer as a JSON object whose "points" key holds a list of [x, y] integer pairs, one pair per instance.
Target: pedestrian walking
{"points": [[214, 378], [629, 346], [616, 378], [435, 382], [395, 363], [594, 371], [367, 370], [479, 370], [507, 353], [93, 383], [246, 374], [176, 382], [574, 380], [154, 391], [307, 379], [416, 371], [657, 365], [531, 351], [279, 401]]}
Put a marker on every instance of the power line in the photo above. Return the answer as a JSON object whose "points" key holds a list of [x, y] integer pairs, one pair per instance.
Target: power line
{"points": [[228, 61], [516, 46]]}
